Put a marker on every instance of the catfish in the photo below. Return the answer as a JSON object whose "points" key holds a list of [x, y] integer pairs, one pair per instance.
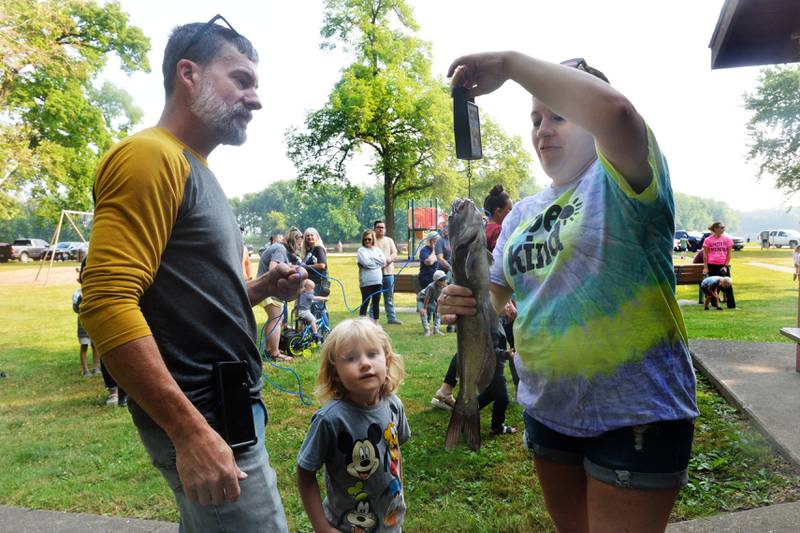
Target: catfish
{"points": [[476, 358]]}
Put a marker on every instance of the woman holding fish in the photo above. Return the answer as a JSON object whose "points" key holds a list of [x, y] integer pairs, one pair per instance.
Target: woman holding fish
{"points": [[606, 380]]}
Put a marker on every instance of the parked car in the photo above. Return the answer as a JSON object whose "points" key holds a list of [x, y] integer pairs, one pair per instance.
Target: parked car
{"points": [[692, 236], [738, 242], [27, 249], [5, 252], [78, 251], [60, 251], [784, 237]]}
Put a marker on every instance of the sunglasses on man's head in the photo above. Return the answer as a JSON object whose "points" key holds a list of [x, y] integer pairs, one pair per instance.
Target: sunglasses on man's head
{"points": [[203, 30], [578, 63]]}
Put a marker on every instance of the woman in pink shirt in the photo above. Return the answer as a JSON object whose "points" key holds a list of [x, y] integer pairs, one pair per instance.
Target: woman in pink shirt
{"points": [[717, 257]]}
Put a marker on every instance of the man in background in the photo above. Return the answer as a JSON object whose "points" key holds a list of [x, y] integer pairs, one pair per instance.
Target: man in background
{"points": [[387, 246]]}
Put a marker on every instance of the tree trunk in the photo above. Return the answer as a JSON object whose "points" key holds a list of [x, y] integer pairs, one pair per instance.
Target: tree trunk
{"points": [[388, 204]]}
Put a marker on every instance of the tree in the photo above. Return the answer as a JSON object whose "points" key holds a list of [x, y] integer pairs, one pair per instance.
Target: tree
{"points": [[775, 125], [332, 210], [55, 123], [386, 101], [695, 213], [504, 161], [252, 210], [371, 206]]}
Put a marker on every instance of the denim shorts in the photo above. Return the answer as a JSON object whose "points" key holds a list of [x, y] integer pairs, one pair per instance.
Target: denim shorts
{"points": [[651, 456]]}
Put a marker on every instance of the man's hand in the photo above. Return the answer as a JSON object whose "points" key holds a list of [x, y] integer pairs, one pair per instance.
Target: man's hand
{"points": [[456, 300], [207, 468], [204, 462], [284, 282]]}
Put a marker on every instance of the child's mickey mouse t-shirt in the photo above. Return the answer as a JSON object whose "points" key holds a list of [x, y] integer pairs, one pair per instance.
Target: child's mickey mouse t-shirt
{"points": [[360, 449]]}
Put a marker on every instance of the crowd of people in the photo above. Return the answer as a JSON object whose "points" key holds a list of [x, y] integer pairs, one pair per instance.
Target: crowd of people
{"points": [[609, 425]]}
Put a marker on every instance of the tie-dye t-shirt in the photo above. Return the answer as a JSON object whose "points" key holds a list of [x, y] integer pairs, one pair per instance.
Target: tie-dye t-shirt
{"points": [[600, 337]]}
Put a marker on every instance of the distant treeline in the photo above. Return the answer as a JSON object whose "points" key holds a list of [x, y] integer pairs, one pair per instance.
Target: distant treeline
{"points": [[341, 213]]}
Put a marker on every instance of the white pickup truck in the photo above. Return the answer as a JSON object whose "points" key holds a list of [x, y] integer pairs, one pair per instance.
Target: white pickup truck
{"points": [[784, 237]]}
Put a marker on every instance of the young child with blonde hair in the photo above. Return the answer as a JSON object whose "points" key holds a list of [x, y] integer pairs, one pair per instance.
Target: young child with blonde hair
{"points": [[356, 435], [303, 308], [711, 287]]}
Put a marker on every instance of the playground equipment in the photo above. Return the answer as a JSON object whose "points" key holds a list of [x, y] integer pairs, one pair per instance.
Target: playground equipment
{"points": [[422, 218]]}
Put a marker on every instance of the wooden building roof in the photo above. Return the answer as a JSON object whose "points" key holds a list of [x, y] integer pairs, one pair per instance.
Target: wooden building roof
{"points": [[756, 32]]}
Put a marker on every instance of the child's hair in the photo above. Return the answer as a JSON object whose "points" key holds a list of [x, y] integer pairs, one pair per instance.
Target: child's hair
{"points": [[329, 386], [308, 285], [725, 282], [797, 249]]}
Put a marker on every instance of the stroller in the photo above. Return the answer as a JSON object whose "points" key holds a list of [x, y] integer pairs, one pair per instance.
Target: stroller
{"points": [[295, 340]]}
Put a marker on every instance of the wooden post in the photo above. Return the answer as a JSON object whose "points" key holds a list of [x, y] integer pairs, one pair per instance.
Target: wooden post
{"points": [[75, 227], [52, 251]]}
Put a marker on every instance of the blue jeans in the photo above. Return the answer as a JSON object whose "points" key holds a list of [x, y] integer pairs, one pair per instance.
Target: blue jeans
{"points": [[432, 316], [259, 506], [388, 297]]}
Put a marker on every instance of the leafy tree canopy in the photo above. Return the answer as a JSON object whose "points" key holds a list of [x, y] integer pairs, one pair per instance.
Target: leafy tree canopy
{"points": [[775, 125], [693, 213], [388, 103], [505, 162], [55, 121], [337, 211]]}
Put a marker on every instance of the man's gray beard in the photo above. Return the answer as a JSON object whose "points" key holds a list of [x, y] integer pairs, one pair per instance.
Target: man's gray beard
{"points": [[219, 117]]}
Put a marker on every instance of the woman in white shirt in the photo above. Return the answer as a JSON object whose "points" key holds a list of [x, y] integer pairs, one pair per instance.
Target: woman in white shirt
{"points": [[370, 260]]}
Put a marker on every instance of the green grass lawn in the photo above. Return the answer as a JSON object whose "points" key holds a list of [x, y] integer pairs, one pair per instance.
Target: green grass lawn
{"points": [[64, 449], [766, 300]]}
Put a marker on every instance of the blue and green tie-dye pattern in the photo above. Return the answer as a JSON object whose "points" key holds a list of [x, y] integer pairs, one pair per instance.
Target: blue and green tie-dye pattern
{"points": [[591, 269]]}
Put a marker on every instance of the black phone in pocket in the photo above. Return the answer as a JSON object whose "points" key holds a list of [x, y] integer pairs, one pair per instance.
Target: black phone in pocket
{"points": [[234, 408]]}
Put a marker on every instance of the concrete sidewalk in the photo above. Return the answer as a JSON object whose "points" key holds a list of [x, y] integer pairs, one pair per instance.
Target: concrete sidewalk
{"points": [[781, 518], [29, 521], [761, 381], [758, 378]]}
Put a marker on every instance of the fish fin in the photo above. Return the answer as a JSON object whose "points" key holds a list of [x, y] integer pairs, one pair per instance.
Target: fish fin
{"points": [[487, 372], [466, 421], [469, 264], [489, 363]]}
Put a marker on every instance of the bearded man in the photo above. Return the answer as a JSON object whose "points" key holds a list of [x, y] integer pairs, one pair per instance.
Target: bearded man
{"points": [[164, 297]]}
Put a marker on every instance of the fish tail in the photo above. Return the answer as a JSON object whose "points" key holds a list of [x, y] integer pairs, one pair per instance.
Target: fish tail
{"points": [[468, 422]]}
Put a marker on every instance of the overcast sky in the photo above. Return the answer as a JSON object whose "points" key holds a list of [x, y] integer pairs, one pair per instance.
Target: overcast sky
{"points": [[656, 53]]}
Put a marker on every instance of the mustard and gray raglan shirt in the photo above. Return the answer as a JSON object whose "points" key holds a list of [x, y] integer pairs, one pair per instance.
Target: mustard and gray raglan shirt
{"points": [[165, 259]]}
